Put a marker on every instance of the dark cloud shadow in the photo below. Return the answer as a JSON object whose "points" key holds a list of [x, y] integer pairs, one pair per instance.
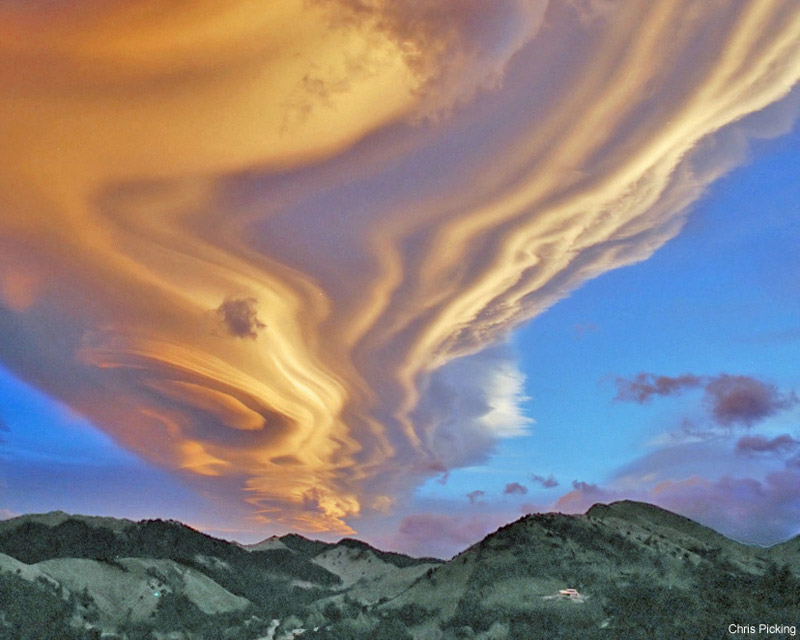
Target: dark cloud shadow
{"points": [[240, 317]]}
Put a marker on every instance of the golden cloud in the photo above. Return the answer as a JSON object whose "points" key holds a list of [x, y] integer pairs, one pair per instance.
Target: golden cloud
{"points": [[386, 190]]}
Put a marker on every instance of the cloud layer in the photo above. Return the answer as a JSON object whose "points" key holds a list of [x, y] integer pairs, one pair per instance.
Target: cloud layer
{"points": [[370, 194]]}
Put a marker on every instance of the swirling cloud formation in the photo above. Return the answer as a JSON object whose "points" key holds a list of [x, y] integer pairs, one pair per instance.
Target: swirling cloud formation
{"points": [[370, 192]]}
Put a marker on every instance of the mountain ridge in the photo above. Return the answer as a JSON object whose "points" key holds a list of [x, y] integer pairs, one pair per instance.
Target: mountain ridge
{"points": [[623, 509], [627, 561]]}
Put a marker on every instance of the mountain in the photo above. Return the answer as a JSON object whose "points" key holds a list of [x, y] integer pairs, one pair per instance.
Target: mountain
{"points": [[106, 576], [642, 571], [634, 571], [787, 553]]}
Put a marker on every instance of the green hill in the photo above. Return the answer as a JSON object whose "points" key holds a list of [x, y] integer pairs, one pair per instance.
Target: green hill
{"points": [[623, 570]]}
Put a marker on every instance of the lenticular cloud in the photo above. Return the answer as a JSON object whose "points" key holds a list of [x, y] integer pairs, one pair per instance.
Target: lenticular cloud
{"points": [[257, 243]]}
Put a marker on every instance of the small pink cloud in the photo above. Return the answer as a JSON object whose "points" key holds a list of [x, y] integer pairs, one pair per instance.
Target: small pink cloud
{"points": [[744, 400], [515, 487]]}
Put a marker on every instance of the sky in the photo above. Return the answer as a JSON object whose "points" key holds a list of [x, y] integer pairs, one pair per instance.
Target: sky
{"points": [[395, 271]]}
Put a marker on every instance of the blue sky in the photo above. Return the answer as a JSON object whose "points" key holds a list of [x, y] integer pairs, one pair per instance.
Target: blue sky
{"points": [[721, 297]]}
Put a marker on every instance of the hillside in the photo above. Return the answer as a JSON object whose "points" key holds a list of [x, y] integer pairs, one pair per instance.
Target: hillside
{"points": [[642, 571], [638, 572], [127, 578]]}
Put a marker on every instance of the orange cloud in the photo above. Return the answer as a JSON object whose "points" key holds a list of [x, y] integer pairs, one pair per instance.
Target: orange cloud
{"points": [[390, 191]]}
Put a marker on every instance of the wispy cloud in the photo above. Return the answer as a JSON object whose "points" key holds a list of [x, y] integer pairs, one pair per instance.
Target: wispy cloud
{"points": [[646, 385], [548, 482], [758, 444]]}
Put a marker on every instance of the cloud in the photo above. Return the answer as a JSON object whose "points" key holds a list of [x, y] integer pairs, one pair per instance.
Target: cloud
{"points": [[744, 400], [467, 405], [756, 444], [475, 496], [240, 317], [583, 496], [454, 54], [548, 482], [398, 187], [515, 487], [646, 385], [442, 536], [731, 400], [749, 509]]}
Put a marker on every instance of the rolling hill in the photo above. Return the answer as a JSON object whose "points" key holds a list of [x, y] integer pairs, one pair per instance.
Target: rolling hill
{"points": [[634, 571]]}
